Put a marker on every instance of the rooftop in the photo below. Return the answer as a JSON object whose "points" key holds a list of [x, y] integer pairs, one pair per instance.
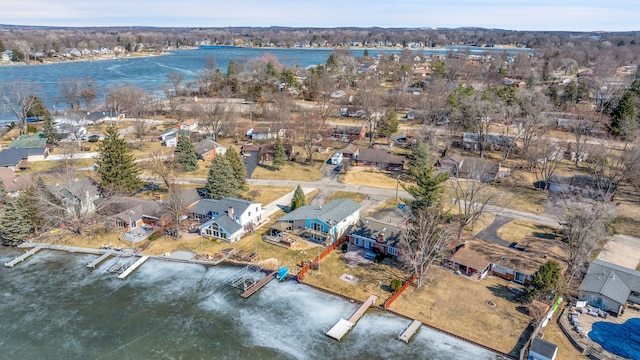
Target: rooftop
{"points": [[331, 213]]}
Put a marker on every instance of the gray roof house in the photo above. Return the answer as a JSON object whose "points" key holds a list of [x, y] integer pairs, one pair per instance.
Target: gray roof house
{"points": [[11, 158], [609, 286], [324, 223], [226, 219], [542, 350], [377, 236]]}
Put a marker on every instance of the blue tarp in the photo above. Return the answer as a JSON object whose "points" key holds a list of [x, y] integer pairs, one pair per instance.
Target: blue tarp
{"points": [[620, 339]]}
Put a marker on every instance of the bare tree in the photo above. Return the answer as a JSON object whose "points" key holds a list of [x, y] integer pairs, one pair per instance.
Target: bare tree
{"points": [[424, 244], [535, 120], [214, 117], [176, 205], [370, 101], [474, 115], [68, 161], [18, 98], [584, 126], [74, 92], [584, 224], [163, 165], [311, 129], [545, 159]]}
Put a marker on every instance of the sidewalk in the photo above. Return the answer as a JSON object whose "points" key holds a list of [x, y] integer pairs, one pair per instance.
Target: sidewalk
{"points": [[282, 202]]}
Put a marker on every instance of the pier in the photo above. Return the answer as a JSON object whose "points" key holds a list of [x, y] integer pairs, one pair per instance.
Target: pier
{"points": [[131, 268], [410, 331], [340, 329], [94, 263], [257, 286], [23, 257]]}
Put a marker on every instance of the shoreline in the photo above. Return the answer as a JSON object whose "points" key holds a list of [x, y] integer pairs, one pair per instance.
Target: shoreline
{"points": [[236, 264]]}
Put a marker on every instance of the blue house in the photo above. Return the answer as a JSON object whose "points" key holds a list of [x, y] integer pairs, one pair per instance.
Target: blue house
{"points": [[323, 223]]}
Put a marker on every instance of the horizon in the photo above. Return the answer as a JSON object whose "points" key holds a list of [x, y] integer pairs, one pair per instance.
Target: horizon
{"points": [[543, 15]]}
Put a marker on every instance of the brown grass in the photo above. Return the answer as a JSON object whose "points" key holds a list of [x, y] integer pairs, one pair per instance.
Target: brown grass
{"points": [[370, 177], [266, 194], [291, 171], [46, 165], [370, 277], [356, 197], [628, 220], [460, 306], [554, 335], [517, 230]]}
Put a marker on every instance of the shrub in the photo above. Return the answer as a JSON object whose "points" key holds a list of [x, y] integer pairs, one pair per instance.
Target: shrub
{"points": [[395, 285], [345, 247]]}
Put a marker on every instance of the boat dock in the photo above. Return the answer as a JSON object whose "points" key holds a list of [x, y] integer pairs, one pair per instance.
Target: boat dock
{"points": [[131, 268], [340, 329], [23, 257], [410, 331], [257, 286], [94, 263]]}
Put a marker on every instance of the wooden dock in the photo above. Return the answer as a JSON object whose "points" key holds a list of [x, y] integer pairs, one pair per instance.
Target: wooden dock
{"points": [[94, 263], [257, 286], [131, 268], [410, 331], [23, 257], [340, 329]]}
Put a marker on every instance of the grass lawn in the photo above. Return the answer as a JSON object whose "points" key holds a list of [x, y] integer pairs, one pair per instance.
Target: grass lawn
{"points": [[628, 220], [554, 335], [356, 197], [459, 305], [148, 148], [291, 171], [370, 177], [517, 230], [266, 194], [370, 277], [46, 165]]}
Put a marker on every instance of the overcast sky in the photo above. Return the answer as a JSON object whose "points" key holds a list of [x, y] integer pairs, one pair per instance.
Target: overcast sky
{"points": [[574, 15]]}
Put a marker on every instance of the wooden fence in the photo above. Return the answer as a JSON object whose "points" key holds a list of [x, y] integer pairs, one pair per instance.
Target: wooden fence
{"points": [[321, 256], [393, 297]]}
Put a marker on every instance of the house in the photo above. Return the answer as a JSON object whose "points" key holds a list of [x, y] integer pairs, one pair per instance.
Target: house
{"points": [[336, 158], [515, 82], [226, 219], [170, 138], [266, 152], [542, 350], [492, 142], [265, 133], [479, 258], [28, 141], [128, 213], [407, 138], [188, 125], [79, 196], [583, 185], [382, 232], [208, 149], [609, 286], [14, 184], [349, 133], [323, 223], [20, 157], [351, 151], [352, 111], [483, 170], [381, 159], [451, 164], [7, 55]]}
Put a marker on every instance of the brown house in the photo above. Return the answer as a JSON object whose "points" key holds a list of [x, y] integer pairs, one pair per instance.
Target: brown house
{"points": [[208, 149], [349, 133], [381, 159], [350, 151], [265, 152]]}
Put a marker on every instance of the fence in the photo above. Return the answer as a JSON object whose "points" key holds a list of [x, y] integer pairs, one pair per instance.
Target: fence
{"points": [[393, 297], [321, 256]]}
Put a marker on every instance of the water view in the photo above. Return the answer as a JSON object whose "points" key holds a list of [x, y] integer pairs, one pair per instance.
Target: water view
{"points": [[53, 307]]}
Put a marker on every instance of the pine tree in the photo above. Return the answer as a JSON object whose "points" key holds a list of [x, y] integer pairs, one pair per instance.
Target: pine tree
{"points": [[298, 200], [239, 170], [545, 279], [48, 130], [279, 154], [221, 183], [115, 165], [623, 118], [429, 188], [16, 223], [186, 154]]}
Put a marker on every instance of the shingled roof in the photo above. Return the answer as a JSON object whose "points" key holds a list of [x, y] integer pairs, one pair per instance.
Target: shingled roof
{"points": [[330, 213]]}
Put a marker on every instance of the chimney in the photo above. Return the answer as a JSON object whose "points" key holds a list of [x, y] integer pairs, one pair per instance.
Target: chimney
{"points": [[230, 213]]}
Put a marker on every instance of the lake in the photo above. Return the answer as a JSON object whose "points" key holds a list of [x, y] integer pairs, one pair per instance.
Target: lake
{"points": [[53, 307]]}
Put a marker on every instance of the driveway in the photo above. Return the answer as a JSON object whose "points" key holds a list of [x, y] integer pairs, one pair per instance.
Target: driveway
{"points": [[622, 250]]}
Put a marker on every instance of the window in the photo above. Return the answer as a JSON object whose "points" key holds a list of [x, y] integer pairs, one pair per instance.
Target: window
{"points": [[357, 241], [392, 251], [367, 244]]}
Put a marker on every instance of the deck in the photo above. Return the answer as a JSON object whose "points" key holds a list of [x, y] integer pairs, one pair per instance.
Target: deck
{"points": [[23, 257], [131, 268], [410, 331], [257, 286], [340, 329], [94, 263]]}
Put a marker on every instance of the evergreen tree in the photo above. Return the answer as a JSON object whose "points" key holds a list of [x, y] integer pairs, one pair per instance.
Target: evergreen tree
{"points": [[115, 164], [15, 223], [37, 109], [429, 187], [48, 130], [545, 279], [186, 154], [239, 170], [623, 118], [279, 154], [388, 125], [298, 200], [220, 182]]}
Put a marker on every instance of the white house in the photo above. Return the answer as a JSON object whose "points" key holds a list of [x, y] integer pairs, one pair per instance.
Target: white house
{"points": [[227, 219], [542, 350], [336, 158]]}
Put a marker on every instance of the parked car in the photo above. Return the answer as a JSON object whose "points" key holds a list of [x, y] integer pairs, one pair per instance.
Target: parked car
{"points": [[95, 138]]}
